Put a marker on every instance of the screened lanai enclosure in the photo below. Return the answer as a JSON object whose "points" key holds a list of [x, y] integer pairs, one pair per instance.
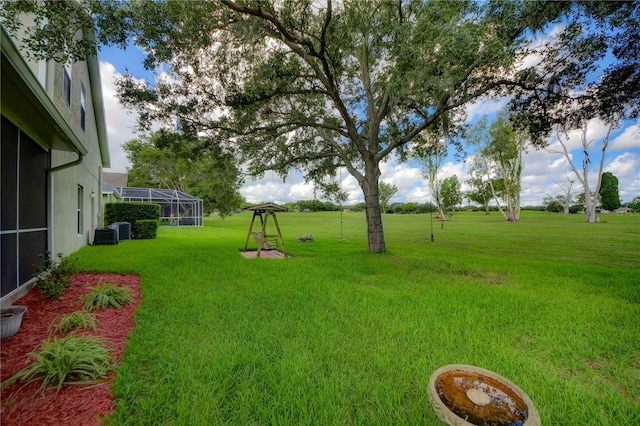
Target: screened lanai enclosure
{"points": [[177, 208]]}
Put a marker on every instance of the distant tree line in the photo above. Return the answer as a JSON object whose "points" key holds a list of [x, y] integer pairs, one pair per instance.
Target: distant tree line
{"points": [[312, 206], [393, 208]]}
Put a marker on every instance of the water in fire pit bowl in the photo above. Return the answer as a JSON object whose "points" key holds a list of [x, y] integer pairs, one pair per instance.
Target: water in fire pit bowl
{"points": [[480, 400]]}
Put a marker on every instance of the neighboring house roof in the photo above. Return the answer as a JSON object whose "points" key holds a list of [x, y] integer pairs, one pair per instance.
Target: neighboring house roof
{"points": [[623, 210], [115, 179], [109, 189]]}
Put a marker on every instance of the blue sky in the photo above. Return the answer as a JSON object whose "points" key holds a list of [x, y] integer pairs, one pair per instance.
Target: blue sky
{"points": [[543, 173]]}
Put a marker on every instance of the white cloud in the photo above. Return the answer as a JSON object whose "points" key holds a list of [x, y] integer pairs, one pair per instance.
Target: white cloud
{"points": [[404, 176], [419, 194], [449, 169], [626, 167], [626, 164], [542, 163], [263, 192], [543, 173], [484, 106], [301, 191], [120, 122], [352, 188], [269, 188], [628, 139]]}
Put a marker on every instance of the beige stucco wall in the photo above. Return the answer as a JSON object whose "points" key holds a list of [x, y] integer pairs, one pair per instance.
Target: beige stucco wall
{"points": [[87, 174], [63, 184]]}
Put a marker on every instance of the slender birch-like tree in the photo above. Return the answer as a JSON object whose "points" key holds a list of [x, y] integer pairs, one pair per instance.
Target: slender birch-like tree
{"points": [[591, 194], [431, 154], [387, 191]]}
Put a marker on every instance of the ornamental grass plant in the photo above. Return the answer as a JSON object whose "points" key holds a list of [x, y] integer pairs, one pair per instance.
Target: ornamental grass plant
{"points": [[75, 321], [106, 296], [69, 360]]}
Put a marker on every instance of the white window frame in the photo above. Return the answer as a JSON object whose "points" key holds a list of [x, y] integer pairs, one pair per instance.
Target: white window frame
{"points": [[66, 75], [80, 210], [83, 107]]}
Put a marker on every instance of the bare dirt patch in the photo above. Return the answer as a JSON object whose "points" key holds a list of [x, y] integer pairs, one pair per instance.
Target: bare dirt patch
{"points": [[77, 405]]}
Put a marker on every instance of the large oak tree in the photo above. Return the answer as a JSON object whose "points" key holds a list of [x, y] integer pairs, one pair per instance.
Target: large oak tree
{"points": [[320, 85]]}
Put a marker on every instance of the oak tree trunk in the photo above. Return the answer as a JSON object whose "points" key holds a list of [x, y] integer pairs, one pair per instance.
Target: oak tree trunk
{"points": [[374, 225], [370, 189]]}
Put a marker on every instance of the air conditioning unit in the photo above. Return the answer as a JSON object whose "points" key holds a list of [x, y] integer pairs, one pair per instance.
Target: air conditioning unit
{"points": [[123, 229], [105, 236]]}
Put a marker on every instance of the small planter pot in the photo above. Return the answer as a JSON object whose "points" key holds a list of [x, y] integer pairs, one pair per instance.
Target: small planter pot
{"points": [[11, 320], [464, 395]]}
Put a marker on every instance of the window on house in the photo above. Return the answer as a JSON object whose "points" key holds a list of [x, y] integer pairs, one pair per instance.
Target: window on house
{"points": [[66, 82], [42, 72], [83, 113], [80, 227]]}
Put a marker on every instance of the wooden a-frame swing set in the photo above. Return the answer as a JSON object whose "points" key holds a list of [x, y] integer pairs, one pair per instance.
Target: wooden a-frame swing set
{"points": [[262, 238]]}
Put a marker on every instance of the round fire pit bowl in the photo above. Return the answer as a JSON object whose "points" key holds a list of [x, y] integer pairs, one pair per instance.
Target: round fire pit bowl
{"points": [[463, 395]]}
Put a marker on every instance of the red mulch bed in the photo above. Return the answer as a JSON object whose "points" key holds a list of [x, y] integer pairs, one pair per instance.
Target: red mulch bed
{"points": [[77, 404]]}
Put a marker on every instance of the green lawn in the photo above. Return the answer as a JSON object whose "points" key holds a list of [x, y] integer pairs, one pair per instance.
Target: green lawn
{"points": [[338, 335]]}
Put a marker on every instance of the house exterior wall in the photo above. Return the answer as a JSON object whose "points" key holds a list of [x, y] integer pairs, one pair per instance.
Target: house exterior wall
{"points": [[109, 197], [33, 100], [65, 238]]}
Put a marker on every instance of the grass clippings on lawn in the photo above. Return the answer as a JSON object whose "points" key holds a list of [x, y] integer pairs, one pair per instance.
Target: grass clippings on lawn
{"points": [[81, 405]]}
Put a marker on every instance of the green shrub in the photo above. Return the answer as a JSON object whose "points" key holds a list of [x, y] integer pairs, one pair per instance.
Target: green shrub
{"points": [[71, 360], [576, 209], [76, 320], [409, 208], [130, 212], [145, 229], [53, 278], [107, 296], [139, 215]]}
